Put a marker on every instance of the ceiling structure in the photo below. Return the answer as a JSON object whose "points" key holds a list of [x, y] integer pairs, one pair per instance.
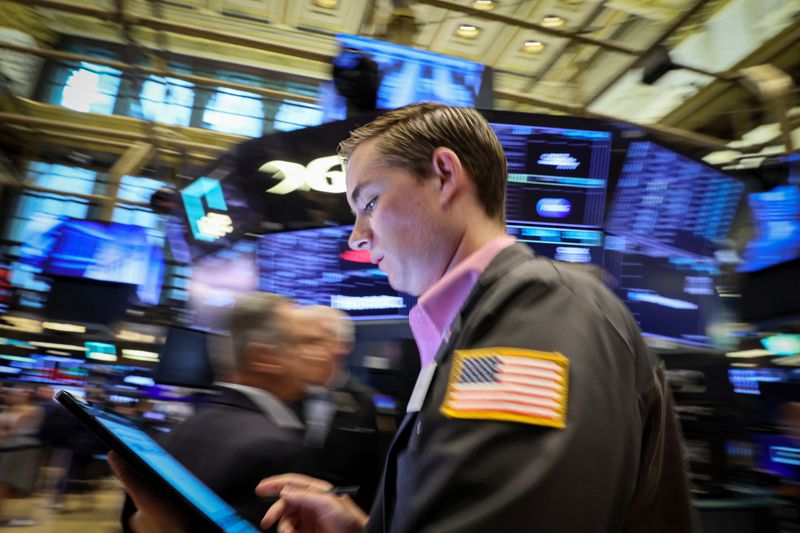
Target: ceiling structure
{"points": [[581, 57]]}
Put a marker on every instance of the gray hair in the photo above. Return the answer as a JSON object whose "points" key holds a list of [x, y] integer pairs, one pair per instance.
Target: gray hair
{"points": [[254, 318], [343, 326]]}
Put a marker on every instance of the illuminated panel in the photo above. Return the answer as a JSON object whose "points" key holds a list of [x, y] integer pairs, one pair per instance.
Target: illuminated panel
{"points": [[776, 220], [556, 176], [670, 296], [665, 198], [318, 267]]}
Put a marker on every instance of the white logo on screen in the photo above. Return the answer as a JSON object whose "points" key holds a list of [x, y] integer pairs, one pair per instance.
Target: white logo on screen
{"points": [[319, 175], [559, 160]]}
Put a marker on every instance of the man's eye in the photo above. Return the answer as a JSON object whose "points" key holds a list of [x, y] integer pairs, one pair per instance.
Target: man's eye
{"points": [[370, 206]]}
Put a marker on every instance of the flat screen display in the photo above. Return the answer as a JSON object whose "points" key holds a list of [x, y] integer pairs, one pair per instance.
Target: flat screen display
{"points": [[556, 189], [670, 296], [776, 221], [318, 267], [113, 252], [184, 360], [663, 197], [409, 75]]}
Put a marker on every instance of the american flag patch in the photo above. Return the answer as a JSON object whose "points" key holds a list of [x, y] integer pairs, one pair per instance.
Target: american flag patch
{"points": [[508, 384]]}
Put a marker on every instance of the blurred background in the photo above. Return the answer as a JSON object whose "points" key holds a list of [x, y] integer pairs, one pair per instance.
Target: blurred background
{"points": [[160, 158]]}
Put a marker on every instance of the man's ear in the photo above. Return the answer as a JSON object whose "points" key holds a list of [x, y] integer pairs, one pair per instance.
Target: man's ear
{"points": [[449, 173], [264, 359]]}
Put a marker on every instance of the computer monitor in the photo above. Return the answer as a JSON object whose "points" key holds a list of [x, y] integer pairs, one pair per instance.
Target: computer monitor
{"points": [[184, 360]]}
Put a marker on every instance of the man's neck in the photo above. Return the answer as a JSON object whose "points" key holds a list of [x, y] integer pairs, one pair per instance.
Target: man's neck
{"points": [[475, 237]]}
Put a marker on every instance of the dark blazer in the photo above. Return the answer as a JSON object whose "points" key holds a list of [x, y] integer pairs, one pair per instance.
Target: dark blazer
{"points": [[231, 444], [617, 465], [352, 453]]}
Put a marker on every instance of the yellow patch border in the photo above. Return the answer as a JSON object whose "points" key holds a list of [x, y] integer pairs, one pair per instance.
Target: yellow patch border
{"points": [[458, 362]]}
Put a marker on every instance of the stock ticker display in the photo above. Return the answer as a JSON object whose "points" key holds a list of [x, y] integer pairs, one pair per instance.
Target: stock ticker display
{"points": [[664, 197], [318, 267], [668, 217], [671, 296], [556, 189]]}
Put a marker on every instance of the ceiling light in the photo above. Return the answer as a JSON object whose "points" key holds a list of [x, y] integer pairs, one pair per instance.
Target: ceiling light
{"points": [[744, 365], [744, 354], [135, 336], [100, 356], [553, 21], [67, 328], [484, 5], [58, 346], [532, 47], [327, 4], [468, 31], [141, 355]]}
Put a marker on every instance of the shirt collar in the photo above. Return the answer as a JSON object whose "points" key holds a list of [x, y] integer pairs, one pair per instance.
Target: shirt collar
{"points": [[269, 405], [436, 308]]}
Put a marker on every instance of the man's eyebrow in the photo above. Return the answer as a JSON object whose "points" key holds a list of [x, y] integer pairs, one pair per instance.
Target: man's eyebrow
{"points": [[357, 192]]}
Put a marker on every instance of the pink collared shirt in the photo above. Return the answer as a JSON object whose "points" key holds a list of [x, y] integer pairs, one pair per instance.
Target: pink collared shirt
{"points": [[431, 318]]}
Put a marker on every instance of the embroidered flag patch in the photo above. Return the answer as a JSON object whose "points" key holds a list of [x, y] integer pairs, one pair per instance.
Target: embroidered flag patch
{"points": [[510, 384]]}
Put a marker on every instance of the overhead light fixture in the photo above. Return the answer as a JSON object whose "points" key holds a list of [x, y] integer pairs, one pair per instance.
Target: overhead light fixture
{"points": [[135, 336], [58, 352], [746, 354], [553, 21], [141, 355], [326, 4], [468, 31], [532, 47], [66, 328], [17, 358], [19, 323], [484, 5], [744, 365], [58, 346]]}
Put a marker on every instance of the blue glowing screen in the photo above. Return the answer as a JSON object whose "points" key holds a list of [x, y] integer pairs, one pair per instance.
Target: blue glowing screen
{"points": [[101, 251], [665, 198], [671, 296], [556, 189], [776, 220], [318, 267], [167, 467]]}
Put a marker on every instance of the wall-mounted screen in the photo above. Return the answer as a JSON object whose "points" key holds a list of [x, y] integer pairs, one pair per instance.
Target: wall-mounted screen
{"points": [[670, 296], [663, 197], [119, 253], [556, 189], [318, 267], [409, 75], [776, 221]]}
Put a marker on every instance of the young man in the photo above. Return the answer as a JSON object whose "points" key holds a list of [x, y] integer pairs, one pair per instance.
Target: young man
{"points": [[538, 406]]}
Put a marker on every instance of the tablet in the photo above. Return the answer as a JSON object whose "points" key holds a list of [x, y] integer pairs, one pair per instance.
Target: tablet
{"points": [[158, 468]]}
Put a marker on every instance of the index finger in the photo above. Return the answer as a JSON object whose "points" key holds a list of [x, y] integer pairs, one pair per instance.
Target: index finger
{"points": [[275, 484]]}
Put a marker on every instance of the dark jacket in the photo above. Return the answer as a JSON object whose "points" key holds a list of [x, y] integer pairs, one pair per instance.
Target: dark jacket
{"points": [[617, 465], [231, 444], [352, 453]]}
